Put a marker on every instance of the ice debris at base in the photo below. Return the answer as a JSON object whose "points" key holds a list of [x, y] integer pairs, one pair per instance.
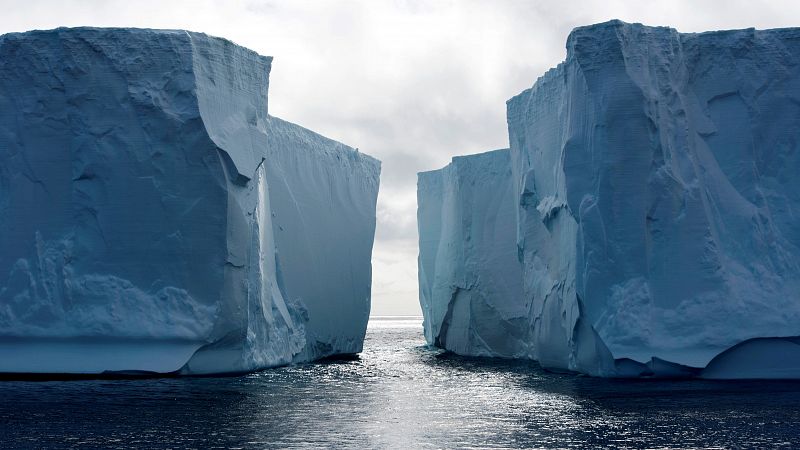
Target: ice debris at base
{"points": [[657, 201], [155, 218]]}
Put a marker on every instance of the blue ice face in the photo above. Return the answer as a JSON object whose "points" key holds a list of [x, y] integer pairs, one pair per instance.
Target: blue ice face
{"points": [[653, 173], [137, 171]]}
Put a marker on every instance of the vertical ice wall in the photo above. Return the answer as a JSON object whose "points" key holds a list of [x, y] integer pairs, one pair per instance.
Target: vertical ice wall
{"points": [[469, 277], [323, 195], [656, 200], [656, 173], [138, 231]]}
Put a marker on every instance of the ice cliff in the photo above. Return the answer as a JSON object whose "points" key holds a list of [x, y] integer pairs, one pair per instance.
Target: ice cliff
{"points": [[654, 176], [470, 281], [155, 218]]}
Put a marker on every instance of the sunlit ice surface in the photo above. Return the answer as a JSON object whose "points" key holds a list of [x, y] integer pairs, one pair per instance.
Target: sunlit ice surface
{"points": [[399, 394]]}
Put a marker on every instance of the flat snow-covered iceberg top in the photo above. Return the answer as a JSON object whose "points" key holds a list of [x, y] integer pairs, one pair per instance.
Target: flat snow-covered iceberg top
{"points": [[155, 217], [658, 202]]}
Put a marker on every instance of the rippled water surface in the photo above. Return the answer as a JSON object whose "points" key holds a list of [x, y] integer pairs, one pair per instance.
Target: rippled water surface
{"points": [[399, 394]]}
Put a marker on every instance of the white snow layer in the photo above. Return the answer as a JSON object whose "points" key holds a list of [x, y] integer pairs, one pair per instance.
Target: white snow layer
{"points": [[155, 218], [655, 188]]}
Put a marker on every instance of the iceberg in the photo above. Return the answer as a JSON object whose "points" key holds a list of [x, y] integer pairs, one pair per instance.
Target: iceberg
{"points": [[469, 277], [156, 219], [655, 182]]}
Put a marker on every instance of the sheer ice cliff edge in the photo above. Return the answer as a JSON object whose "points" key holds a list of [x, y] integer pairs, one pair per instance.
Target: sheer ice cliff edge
{"points": [[156, 219], [656, 198]]}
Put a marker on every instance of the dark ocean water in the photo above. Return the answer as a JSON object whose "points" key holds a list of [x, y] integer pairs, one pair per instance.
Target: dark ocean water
{"points": [[399, 394]]}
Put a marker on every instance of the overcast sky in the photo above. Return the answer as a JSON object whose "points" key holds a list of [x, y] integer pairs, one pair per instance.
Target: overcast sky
{"points": [[412, 83]]}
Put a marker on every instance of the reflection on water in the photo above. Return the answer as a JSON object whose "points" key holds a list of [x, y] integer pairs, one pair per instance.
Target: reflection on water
{"points": [[400, 394]]}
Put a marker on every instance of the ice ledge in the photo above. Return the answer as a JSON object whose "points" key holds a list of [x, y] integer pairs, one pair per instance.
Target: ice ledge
{"points": [[94, 356]]}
